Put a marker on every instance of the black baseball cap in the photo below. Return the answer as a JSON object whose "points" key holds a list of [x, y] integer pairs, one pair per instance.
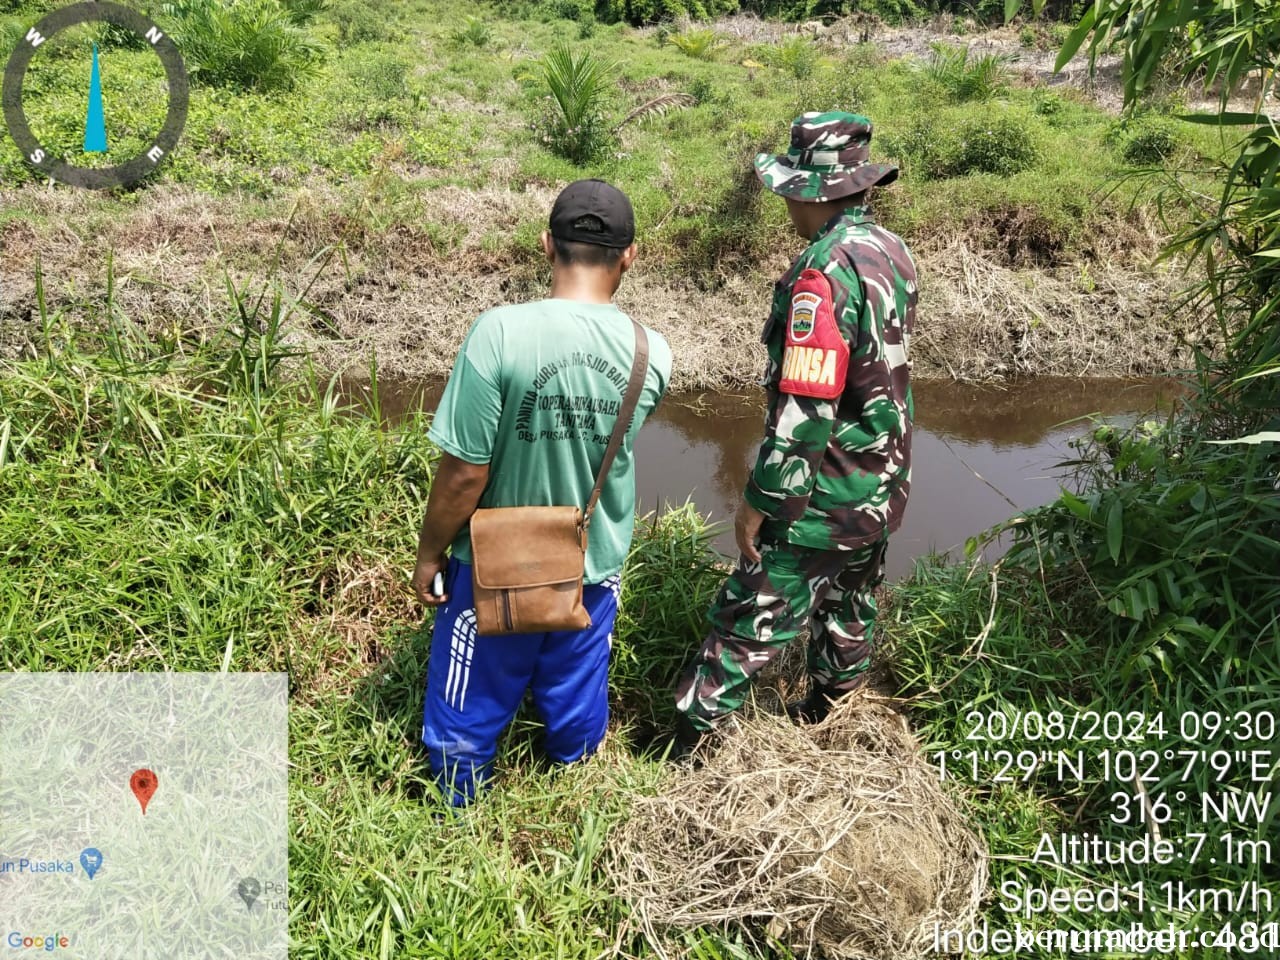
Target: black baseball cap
{"points": [[592, 211]]}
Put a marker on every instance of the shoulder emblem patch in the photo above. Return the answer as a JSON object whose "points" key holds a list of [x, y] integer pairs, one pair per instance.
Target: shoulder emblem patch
{"points": [[815, 357], [804, 314]]}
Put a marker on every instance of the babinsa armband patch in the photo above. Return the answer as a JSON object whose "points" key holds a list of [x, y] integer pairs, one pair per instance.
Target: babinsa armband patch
{"points": [[815, 357]]}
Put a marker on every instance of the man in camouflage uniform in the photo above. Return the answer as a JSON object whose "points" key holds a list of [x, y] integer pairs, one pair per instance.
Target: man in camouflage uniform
{"points": [[831, 479]]}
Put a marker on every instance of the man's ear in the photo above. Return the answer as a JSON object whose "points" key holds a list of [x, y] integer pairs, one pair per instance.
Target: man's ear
{"points": [[548, 246], [628, 257]]}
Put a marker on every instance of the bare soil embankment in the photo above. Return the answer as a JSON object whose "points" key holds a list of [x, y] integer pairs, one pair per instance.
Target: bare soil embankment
{"points": [[986, 310]]}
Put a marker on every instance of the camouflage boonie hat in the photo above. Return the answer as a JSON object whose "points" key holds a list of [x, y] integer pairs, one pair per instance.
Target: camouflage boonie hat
{"points": [[829, 159]]}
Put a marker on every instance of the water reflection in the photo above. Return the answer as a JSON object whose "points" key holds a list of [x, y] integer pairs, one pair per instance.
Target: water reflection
{"points": [[980, 452]]}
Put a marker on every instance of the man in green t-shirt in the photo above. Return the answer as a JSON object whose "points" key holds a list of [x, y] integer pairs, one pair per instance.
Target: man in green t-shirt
{"points": [[524, 421]]}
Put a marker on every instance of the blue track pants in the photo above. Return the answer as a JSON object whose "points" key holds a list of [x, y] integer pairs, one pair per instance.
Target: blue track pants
{"points": [[475, 685]]}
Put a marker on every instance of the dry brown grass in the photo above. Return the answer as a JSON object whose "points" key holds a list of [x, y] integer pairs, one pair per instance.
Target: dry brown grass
{"points": [[343, 634], [365, 601], [980, 319], [835, 839], [398, 293]]}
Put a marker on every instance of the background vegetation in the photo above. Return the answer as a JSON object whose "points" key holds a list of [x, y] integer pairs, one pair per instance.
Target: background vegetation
{"points": [[176, 509], [408, 101], [170, 506], [428, 141]]}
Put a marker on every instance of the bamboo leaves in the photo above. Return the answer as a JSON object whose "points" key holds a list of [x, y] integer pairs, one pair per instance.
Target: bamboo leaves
{"points": [[1115, 528]]}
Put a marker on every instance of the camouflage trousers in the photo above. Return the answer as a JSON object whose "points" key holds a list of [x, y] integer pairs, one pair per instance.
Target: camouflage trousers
{"points": [[763, 606]]}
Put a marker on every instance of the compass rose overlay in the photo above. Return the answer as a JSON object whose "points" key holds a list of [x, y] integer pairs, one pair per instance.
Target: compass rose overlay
{"points": [[122, 174]]}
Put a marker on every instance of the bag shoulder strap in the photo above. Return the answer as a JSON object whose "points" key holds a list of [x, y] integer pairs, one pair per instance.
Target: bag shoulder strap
{"points": [[639, 366]]}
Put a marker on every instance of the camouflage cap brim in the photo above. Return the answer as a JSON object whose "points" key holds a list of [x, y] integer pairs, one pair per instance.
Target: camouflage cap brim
{"points": [[777, 173]]}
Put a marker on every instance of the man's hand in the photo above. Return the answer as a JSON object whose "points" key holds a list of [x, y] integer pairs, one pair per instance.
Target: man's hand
{"points": [[423, 574], [746, 526], [455, 492]]}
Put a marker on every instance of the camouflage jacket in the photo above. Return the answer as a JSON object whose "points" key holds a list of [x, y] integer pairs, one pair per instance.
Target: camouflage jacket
{"points": [[834, 474]]}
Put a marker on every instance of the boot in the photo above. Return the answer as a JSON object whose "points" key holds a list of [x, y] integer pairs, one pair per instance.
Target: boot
{"points": [[686, 739], [673, 747], [813, 708]]}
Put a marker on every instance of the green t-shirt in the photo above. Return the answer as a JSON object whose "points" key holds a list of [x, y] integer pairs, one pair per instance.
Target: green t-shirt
{"points": [[534, 393]]}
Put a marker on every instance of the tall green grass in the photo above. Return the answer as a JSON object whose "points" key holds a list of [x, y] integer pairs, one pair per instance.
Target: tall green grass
{"points": [[184, 511], [165, 507], [1149, 593]]}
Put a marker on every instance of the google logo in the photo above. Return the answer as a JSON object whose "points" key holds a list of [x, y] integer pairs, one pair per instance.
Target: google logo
{"points": [[53, 942]]}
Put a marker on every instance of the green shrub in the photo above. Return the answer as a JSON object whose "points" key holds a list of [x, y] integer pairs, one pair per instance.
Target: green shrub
{"points": [[964, 78], [701, 44], [1150, 147], [1045, 35], [357, 23], [579, 10], [12, 30], [112, 35], [852, 86], [376, 89], [795, 55], [1002, 145], [1144, 140], [637, 12], [303, 11], [474, 32], [1047, 104], [1176, 538], [381, 75], [926, 149], [1062, 109], [247, 44], [934, 150], [578, 88], [702, 90]]}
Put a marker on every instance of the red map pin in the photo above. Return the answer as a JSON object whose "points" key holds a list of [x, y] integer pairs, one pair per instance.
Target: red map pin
{"points": [[143, 783]]}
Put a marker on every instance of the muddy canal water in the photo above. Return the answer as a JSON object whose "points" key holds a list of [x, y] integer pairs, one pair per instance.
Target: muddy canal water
{"points": [[980, 453]]}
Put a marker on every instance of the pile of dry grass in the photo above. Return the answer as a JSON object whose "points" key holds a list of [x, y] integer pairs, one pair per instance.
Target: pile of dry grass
{"points": [[836, 839]]}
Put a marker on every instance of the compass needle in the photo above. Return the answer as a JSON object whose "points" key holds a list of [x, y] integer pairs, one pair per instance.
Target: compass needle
{"points": [[95, 124]]}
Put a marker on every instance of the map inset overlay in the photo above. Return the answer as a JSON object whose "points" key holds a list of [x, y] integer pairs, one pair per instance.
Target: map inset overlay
{"points": [[88, 871]]}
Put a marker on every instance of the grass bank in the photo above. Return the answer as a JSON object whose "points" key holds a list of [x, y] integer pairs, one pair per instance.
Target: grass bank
{"points": [[191, 510], [169, 512], [414, 143]]}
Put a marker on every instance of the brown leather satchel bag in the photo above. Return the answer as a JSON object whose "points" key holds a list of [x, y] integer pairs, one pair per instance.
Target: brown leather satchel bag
{"points": [[528, 562]]}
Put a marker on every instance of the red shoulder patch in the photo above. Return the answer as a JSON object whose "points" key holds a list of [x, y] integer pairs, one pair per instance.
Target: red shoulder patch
{"points": [[815, 356]]}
